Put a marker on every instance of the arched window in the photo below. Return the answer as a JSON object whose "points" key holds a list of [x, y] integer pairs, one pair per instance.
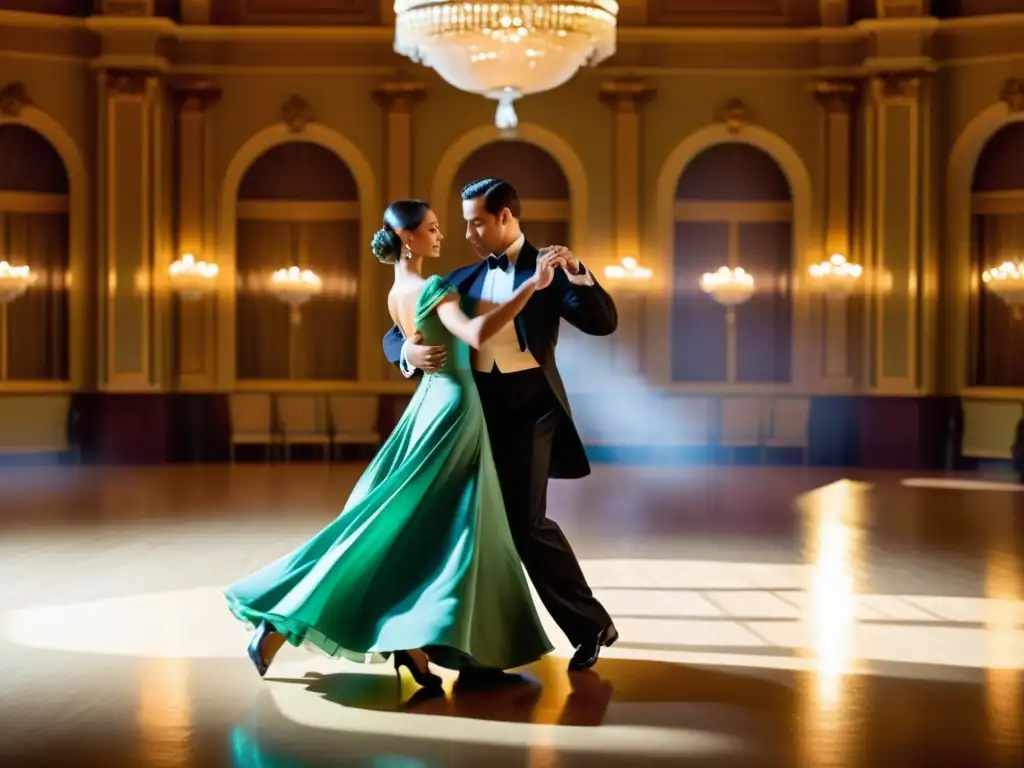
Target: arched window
{"points": [[997, 235], [733, 208], [34, 231], [298, 204]]}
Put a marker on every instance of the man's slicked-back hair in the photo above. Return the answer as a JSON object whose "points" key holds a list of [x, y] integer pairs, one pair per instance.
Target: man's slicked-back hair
{"points": [[497, 195]]}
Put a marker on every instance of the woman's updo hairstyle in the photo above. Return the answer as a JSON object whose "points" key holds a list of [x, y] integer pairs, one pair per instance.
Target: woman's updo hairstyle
{"points": [[401, 214]]}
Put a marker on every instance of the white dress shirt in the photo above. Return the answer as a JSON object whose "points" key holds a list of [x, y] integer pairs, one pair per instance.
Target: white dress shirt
{"points": [[501, 350]]}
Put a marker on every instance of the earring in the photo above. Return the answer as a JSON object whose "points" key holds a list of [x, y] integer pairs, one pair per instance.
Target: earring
{"points": [[408, 251]]}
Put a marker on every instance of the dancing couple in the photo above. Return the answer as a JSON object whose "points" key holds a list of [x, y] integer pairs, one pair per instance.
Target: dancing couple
{"points": [[425, 562]]}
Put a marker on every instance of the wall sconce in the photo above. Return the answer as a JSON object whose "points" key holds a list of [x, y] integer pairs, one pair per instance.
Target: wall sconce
{"points": [[836, 277], [14, 281], [192, 279], [729, 287], [295, 287], [628, 269], [1007, 282]]}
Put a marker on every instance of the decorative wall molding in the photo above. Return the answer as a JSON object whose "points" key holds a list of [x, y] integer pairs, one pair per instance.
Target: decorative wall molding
{"points": [[1013, 94], [296, 113], [137, 8], [128, 82], [13, 99], [837, 95], [195, 94], [804, 252], [735, 115], [81, 353], [368, 343], [400, 94]]}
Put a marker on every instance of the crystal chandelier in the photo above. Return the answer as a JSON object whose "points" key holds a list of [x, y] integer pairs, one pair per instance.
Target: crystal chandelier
{"points": [[295, 287], [14, 281], [628, 270], [1007, 282], [192, 279], [728, 287], [504, 51], [837, 277]]}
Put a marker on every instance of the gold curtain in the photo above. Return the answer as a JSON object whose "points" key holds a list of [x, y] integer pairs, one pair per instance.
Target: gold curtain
{"points": [[699, 332], [323, 345], [262, 326], [998, 336], [36, 326], [764, 324], [330, 321]]}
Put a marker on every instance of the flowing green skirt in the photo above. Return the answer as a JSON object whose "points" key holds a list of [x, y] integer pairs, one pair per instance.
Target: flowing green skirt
{"points": [[420, 557]]}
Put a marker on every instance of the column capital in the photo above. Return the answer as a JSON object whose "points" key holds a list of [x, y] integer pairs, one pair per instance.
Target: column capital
{"points": [[836, 95], [626, 94], [129, 82], [195, 94], [898, 85], [400, 94]]}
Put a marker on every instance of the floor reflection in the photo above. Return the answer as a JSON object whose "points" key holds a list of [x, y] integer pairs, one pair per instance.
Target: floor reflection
{"points": [[583, 702], [868, 625]]}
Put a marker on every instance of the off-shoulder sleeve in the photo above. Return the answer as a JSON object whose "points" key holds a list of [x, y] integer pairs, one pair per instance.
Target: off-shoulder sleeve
{"points": [[434, 291]]}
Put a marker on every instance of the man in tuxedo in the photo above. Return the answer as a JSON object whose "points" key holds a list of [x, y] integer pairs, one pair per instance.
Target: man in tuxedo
{"points": [[532, 433]]}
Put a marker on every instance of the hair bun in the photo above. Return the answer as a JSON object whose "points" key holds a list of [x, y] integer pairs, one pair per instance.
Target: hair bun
{"points": [[386, 245]]}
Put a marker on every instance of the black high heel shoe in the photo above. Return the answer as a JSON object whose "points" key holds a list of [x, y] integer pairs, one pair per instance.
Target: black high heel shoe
{"points": [[255, 644], [425, 678]]}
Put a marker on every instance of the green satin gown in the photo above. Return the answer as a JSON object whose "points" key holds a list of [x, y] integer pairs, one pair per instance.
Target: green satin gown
{"points": [[421, 556]]}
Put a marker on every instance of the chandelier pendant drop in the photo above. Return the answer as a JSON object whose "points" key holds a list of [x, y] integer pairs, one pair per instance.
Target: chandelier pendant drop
{"points": [[504, 51]]}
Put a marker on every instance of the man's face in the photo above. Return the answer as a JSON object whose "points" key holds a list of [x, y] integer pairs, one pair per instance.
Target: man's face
{"points": [[485, 231]]}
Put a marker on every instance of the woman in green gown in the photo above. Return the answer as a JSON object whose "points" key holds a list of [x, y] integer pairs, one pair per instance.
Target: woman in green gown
{"points": [[420, 564]]}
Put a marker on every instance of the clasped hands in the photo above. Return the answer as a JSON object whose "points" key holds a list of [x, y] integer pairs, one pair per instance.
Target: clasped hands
{"points": [[431, 359]]}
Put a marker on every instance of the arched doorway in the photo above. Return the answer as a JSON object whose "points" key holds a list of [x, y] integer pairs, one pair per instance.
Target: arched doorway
{"points": [[733, 206], [34, 230], [298, 204]]}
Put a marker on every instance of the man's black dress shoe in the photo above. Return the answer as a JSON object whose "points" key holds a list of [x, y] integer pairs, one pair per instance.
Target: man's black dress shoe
{"points": [[588, 651]]}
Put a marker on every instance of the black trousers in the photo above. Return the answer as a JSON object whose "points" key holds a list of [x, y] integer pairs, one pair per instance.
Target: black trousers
{"points": [[522, 414]]}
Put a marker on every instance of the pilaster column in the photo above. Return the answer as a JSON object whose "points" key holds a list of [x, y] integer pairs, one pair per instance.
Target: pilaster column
{"points": [[899, 215], [895, 221], [626, 97], [134, 245], [397, 99], [837, 99], [195, 326]]}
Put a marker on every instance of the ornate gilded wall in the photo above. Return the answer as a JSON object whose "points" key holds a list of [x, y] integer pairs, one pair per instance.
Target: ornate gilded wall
{"points": [[765, 134]]}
